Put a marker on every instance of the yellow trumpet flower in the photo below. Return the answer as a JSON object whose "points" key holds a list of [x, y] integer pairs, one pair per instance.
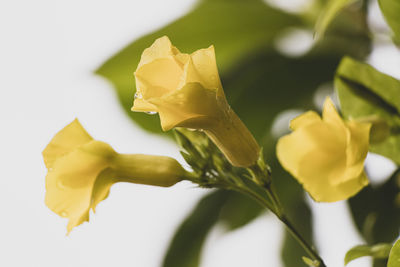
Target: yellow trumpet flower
{"points": [[82, 170], [326, 155], [186, 91]]}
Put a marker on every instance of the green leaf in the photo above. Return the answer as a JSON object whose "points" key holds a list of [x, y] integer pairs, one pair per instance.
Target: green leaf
{"points": [[379, 251], [376, 211], [236, 28], [186, 246], [230, 208], [364, 91], [292, 252], [391, 11], [330, 11], [239, 210], [379, 84], [394, 257]]}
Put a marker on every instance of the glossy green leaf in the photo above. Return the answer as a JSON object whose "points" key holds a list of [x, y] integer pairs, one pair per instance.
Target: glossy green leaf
{"points": [[185, 248], [237, 29], [379, 251], [364, 91], [376, 211], [391, 11], [394, 257], [330, 11]]}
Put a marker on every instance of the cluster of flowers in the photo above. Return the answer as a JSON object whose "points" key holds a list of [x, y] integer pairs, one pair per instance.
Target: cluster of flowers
{"points": [[326, 155]]}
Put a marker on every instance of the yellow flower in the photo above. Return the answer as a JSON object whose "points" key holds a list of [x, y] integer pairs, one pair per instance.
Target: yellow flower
{"points": [[326, 155], [82, 170], [186, 91]]}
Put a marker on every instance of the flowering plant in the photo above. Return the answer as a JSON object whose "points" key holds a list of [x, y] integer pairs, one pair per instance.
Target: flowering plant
{"points": [[252, 156]]}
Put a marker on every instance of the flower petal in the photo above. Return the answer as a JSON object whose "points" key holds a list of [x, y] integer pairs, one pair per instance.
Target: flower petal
{"points": [[356, 151], [142, 105], [357, 145], [304, 120], [158, 77], [182, 107], [69, 185], [205, 64], [161, 48], [101, 187], [190, 75], [70, 137], [331, 116], [321, 192], [290, 152]]}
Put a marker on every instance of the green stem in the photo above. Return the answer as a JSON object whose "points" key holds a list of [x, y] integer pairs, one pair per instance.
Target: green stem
{"points": [[263, 179], [296, 235], [283, 218]]}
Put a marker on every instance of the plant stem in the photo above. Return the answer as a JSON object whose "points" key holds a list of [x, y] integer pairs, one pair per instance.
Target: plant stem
{"points": [[296, 235], [262, 176], [292, 230], [277, 209]]}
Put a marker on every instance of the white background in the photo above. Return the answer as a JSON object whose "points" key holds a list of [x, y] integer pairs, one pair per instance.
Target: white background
{"points": [[48, 51]]}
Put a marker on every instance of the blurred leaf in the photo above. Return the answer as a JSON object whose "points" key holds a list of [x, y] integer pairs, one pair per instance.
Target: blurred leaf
{"points": [[236, 28], [230, 208], [379, 251], [391, 11], [331, 9], [186, 246], [394, 257], [364, 91], [376, 211], [381, 85], [239, 210], [292, 252], [379, 262]]}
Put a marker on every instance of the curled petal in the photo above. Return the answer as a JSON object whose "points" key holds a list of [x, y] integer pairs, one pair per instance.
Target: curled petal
{"points": [[206, 66], [158, 77], [189, 107], [72, 136], [357, 144], [304, 119], [332, 117], [70, 183], [161, 48]]}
